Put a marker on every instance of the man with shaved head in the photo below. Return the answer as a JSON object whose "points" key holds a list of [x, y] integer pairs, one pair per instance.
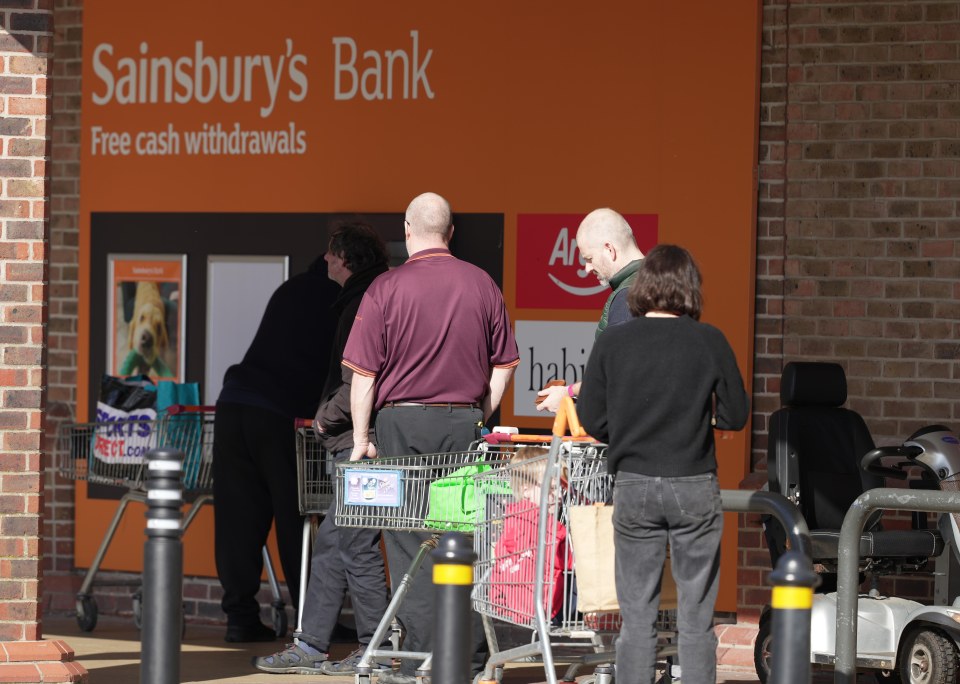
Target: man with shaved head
{"points": [[431, 352], [609, 250]]}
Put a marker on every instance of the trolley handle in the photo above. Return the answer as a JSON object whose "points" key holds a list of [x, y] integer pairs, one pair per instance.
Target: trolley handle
{"points": [[513, 438], [497, 438], [176, 409], [302, 423]]}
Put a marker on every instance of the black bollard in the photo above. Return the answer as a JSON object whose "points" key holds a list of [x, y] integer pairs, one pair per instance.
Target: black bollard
{"points": [[162, 569], [453, 614], [793, 581]]}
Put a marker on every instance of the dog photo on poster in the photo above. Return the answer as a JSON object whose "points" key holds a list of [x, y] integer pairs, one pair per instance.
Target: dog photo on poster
{"points": [[146, 320]]}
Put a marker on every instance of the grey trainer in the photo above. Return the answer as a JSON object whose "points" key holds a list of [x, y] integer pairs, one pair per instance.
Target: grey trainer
{"points": [[349, 664], [292, 660]]}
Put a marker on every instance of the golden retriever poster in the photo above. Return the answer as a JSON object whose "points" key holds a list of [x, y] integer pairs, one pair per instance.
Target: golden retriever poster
{"points": [[147, 316]]}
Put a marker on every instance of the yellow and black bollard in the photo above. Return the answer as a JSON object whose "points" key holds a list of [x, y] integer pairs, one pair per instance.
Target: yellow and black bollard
{"points": [[793, 581], [453, 624]]}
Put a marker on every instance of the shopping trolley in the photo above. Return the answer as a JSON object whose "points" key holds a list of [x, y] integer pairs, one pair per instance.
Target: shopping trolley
{"points": [[525, 573], [112, 453], [395, 493], [315, 475]]}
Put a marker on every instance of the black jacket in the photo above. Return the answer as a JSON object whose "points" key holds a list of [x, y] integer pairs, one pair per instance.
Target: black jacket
{"points": [[650, 390], [285, 368], [334, 411]]}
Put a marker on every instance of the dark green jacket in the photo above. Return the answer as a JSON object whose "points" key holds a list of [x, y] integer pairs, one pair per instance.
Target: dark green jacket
{"points": [[620, 283]]}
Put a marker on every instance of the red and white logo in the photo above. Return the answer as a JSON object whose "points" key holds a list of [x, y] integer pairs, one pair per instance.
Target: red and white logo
{"points": [[550, 273]]}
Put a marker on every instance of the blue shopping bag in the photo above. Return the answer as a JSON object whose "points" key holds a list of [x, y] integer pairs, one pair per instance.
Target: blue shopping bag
{"points": [[182, 431]]}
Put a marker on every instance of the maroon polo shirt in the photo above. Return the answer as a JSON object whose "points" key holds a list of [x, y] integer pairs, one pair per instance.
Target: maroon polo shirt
{"points": [[430, 331]]}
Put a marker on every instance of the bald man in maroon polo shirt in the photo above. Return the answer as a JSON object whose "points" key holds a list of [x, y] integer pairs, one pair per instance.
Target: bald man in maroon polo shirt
{"points": [[432, 352]]}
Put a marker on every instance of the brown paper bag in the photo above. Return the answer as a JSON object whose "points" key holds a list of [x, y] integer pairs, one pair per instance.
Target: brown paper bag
{"points": [[591, 532]]}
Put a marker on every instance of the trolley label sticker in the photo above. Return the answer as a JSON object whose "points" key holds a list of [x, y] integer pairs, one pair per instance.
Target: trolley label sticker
{"points": [[374, 488]]}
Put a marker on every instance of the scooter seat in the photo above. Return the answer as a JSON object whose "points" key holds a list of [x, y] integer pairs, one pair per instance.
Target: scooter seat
{"points": [[881, 544]]}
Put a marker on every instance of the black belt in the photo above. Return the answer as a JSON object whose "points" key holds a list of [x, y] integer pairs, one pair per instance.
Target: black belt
{"points": [[442, 404]]}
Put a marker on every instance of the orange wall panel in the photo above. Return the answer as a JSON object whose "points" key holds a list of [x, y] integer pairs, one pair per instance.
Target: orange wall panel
{"points": [[537, 108]]}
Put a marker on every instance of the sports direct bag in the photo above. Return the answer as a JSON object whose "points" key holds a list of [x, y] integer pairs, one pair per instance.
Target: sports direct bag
{"points": [[126, 420], [591, 532]]}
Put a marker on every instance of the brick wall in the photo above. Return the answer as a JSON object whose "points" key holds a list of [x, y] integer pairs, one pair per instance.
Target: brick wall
{"points": [[61, 578], [25, 45], [769, 321], [857, 236], [60, 584], [856, 232]]}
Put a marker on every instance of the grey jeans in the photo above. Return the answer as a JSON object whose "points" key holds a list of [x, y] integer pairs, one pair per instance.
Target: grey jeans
{"points": [[648, 512], [344, 558]]}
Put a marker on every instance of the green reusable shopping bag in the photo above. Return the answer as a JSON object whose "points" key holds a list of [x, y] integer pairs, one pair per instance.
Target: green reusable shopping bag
{"points": [[455, 498]]}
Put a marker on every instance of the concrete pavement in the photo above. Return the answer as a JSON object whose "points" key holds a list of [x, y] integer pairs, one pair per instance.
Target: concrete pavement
{"points": [[111, 654]]}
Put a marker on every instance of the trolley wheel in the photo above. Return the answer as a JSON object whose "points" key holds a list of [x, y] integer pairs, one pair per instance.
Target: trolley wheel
{"points": [[497, 677], [86, 613], [362, 679], [138, 610], [604, 674], [761, 648], [397, 634], [927, 657], [279, 620]]}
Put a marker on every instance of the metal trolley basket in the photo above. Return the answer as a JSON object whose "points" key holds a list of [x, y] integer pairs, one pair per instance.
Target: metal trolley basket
{"points": [[395, 493], [112, 453], [315, 476], [525, 572], [315, 471]]}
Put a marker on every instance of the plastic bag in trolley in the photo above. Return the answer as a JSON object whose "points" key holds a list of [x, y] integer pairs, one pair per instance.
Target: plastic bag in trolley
{"points": [[126, 416]]}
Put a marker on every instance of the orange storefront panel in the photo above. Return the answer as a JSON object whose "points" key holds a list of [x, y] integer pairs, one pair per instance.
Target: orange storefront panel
{"points": [[528, 110]]}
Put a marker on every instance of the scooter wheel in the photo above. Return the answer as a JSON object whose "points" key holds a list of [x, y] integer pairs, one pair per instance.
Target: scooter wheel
{"points": [[86, 613], [761, 648], [927, 656]]}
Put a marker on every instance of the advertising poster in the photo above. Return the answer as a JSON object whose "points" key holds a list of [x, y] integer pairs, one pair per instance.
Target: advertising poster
{"points": [[146, 314]]}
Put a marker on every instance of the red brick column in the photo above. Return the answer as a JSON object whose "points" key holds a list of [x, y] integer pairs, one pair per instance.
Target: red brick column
{"points": [[61, 583], [25, 50], [754, 561], [858, 256]]}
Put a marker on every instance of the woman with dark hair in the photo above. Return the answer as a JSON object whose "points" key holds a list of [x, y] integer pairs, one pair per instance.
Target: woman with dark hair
{"points": [[654, 389]]}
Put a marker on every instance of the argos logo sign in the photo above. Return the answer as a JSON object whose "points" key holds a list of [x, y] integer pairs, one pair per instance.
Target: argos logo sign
{"points": [[550, 272]]}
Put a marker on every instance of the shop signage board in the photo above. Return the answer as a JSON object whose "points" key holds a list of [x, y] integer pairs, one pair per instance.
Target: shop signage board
{"points": [[535, 112]]}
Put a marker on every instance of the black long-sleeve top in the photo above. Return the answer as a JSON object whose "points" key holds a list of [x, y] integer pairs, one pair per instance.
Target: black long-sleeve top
{"points": [[648, 391], [285, 367], [334, 411]]}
